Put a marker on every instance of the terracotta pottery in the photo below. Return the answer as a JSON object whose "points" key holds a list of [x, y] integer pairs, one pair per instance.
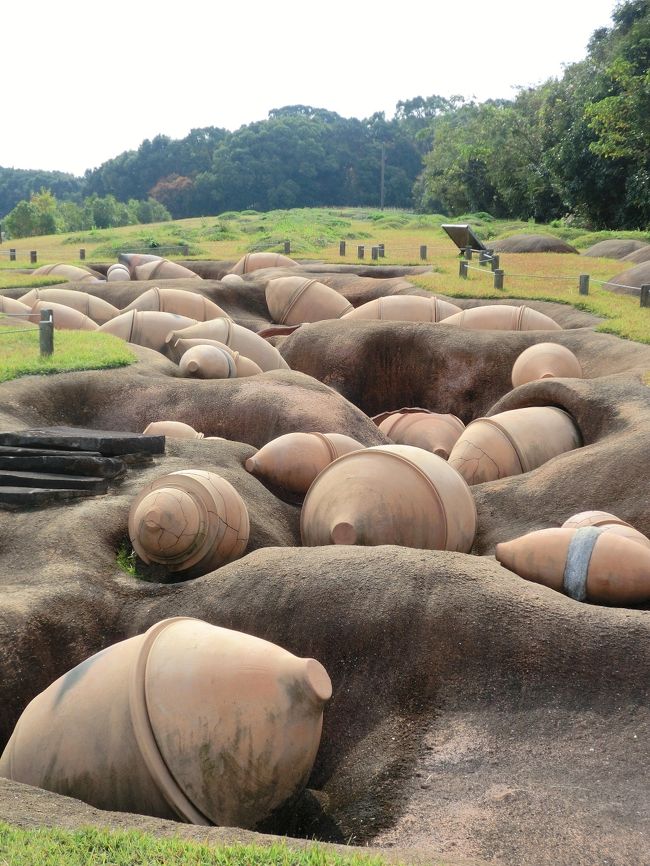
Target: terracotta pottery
{"points": [[133, 260], [245, 367], [19, 311], [232, 280], [172, 429], [118, 272], [235, 337], [432, 431], [65, 318], [257, 261], [503, 317], [589, 564], [390, 494], [405, 308], [178, 301], [97, 309], [190, 519], [163, 269], [292, 462], [513, 442], [293, 300], [545, 361], [71, 272], [208, 362], [146, 328], [188, 721], [608, 523]]}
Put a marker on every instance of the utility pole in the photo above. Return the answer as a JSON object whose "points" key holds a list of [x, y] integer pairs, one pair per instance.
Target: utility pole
{"points": [[381, 182]]}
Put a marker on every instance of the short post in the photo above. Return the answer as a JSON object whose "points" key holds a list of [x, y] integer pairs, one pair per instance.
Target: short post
{"points": [[185, 250], [46, 332], [360, 252], [287, 248], [381, 249], [12, 255], [495, 261], [82, 254], [468, 253], [462, 269], [583, 286], [498, 278], [341, 248], [374, 253], [645, 296], [33, 257], [423, 252]]}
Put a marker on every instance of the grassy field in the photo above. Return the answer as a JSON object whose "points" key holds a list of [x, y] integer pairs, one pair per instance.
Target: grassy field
{"points": [[73, 350], [316, 233], [91, 847]]}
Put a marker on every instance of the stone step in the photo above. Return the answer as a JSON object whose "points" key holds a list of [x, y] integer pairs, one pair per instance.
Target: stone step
{"points": [[17, 451], [109, 443], [65, 464], [50, 481], [15, 498]]}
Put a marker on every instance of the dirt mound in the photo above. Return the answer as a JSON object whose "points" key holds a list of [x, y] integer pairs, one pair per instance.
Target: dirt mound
{"points": [[629, 282], [641, 255], [616, 248], [532, 244]]}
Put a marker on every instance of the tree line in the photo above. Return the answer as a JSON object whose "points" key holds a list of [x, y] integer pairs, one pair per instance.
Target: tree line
{"points": [[575, 148]]}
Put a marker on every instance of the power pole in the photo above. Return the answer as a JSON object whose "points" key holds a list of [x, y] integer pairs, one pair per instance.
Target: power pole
{"points": [[381, 182]]}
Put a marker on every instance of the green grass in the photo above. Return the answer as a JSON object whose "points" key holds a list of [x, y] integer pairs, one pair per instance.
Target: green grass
{"points": [[126, 560], [91, 847], [73, 350], [10, 280]]}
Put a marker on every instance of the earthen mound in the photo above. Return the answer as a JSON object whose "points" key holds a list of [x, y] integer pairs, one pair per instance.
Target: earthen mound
{"points": [[629, 282], [641, 255], [532, 244], [616, 248]]}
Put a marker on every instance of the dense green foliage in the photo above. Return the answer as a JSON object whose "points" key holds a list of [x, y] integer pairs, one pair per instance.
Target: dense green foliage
{"points": [[575, 148]]}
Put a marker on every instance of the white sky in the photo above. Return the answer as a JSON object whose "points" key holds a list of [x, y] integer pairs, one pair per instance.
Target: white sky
{"points": [[83, 81]]}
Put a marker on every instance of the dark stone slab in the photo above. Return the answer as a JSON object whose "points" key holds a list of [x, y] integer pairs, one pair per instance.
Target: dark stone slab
{"points": [[65, 464], [17, 451], [109, 443], [16, 498], [47, 480]]}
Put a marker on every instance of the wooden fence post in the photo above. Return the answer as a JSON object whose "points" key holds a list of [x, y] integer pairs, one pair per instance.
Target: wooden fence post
{"points": [[33, 257], [46, 332], [341, 248], [82, 254], [360, 252], [498, 278], [583, 286], [462, 269], [645, 296], [12, 255], [374, 253], [423, 252], [468, 254], [380, 247], [495, 261], [287, 248]]}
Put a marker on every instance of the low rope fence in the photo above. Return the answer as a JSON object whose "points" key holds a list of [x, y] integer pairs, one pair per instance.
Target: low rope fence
{"points": [[45, 329]]}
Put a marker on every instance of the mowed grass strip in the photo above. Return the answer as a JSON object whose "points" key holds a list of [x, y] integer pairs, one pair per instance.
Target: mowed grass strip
{"points": [[73, 350], [92, 847], [11, 280]]}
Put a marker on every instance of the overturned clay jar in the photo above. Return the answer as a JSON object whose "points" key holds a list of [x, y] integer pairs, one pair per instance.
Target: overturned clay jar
{"points": [[545, 361], [189, 519], [71, 272], [18, 311], [608, 523], [118, 272], [390, 494], [232, 280], [405, 308], [432, 431], [146, 328], [257, 261], [133, 260], [513, 442], [178, 301], [292, 462], [588, 564], [188, 722], [173, 429], [97, 309], [234, 337], [293, 300], [502, 317], [66, 318], [243, 365], [208, 362], [163, 269]]}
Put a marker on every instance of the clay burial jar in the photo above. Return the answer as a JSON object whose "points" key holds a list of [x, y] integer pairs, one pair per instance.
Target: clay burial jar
{"points": [[208, 362], [503, 317], [243, 365], [118, 272], [390, 494], [173, 429], [257, 261], [232, 280], [513, 442], [545, 361], [65, 318], [293, 300], [146, 328], [607, 523], [97, 309], [405, 308], [162, 269], [235, 337], [71, 272], [19, 311], [189, 519], [183, 303], [132, 260], [292, 462], [188, 721], [432, 431], [588, 564]]}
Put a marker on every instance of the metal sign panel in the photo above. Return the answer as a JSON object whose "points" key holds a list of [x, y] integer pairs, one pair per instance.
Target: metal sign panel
{"points": [[463, 236]]}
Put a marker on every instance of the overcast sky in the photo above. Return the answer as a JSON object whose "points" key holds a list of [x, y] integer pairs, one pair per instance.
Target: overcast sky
{"points": [[83, 81]]}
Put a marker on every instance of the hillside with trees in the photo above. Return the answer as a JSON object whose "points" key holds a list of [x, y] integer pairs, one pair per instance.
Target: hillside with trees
{"points": [[574, 148]]}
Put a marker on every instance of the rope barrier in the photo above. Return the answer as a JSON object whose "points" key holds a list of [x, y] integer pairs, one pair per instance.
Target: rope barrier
{"points": [[618, 285], [482, 270], [17, 331], [540, 276]]}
